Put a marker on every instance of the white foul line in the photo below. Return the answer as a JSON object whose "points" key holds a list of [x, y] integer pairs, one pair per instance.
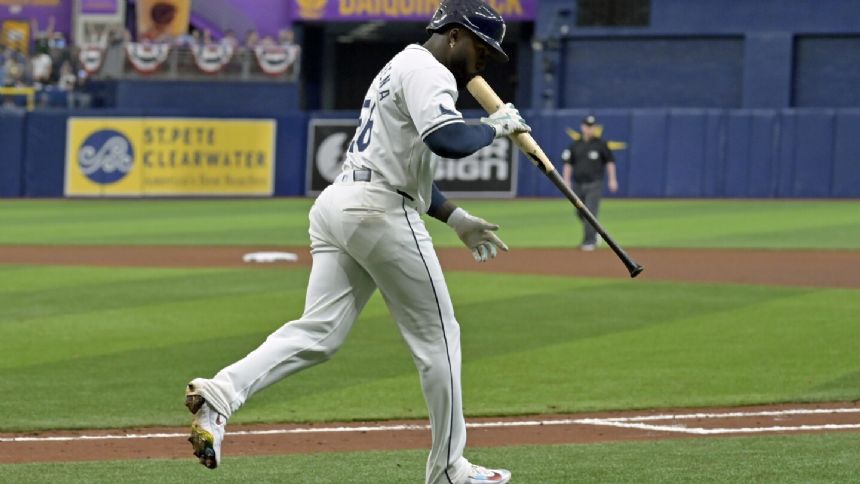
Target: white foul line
{"points": [[624, 422], [767, 413], [634, 422], [702, 431]]}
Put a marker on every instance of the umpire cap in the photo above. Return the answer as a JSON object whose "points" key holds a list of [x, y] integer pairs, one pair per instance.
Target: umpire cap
{"points": [[476, 16]]}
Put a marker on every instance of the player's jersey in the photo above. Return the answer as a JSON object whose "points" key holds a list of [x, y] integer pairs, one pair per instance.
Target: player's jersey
{"points": [[411, 97]]}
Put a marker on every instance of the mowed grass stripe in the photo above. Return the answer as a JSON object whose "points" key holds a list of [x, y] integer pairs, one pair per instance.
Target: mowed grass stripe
{"points": [[805, 224], [547, 344]]}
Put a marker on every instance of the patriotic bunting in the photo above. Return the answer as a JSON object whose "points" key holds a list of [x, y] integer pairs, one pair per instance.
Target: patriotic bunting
{"points": [[146, 57], [91, 57], [211, 58], [274, 60]]}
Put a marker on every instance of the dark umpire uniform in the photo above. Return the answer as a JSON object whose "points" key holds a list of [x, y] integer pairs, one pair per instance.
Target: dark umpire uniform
{"points": [[587, 160]]}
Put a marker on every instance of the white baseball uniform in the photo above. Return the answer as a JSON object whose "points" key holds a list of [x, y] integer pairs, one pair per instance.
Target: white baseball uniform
{"points": [[366, 232]]}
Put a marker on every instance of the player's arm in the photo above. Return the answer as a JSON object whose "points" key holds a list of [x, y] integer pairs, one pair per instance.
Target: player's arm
{"points": [[476, 233], [458, 140], [440, 207]]}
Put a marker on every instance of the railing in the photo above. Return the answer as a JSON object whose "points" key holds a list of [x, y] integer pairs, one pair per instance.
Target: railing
{"points": [[28, 92], [179, 64]]}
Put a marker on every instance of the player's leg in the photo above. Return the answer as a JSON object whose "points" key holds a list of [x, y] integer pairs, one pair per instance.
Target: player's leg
{"points": [[333, 301], [338, 289], [410, 279]]}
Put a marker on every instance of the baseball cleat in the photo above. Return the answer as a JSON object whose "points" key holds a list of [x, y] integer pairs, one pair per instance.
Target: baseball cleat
{"points": [[194, 402], [482, 475], [207, 429]]}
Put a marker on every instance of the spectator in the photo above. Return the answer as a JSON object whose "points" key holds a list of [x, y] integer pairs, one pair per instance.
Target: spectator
{"points": [[41, 66], [58, 55], [42, 38], [585, 162], [252, 38], [68, 79], [13, 72], [96, 34], [189, 38], [230, 39], [267, 41], [285, 37], [57, 41]]}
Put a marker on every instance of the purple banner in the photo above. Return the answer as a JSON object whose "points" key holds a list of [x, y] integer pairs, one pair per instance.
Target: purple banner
{"points": [[42, 11], [267, 17], [393, 10], [99, 7]]}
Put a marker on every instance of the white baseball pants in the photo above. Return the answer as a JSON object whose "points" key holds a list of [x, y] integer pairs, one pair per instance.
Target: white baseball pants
{"points": [[365, 236]]}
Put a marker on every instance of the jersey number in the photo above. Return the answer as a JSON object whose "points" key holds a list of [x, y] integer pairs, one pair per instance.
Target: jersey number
{"points": [[362, 141]]}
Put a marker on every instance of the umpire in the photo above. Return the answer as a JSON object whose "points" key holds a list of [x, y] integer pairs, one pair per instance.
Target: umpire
{"points": [[586, 160]]}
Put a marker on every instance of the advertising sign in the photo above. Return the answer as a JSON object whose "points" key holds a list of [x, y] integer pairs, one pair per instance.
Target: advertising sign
{"points": [[490, 172], [99, 7], [132, 157], [162, 20], [411, 10], [15, 34]]}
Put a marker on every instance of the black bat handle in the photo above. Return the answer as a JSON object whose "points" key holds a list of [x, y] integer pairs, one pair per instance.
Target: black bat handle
{"points": [[634, 268]]}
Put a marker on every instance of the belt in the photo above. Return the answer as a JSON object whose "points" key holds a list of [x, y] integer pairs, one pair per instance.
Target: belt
{"points": [[366, 175], [362, 175]]}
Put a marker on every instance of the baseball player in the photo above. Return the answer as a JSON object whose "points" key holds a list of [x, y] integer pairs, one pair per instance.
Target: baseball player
{"points": [[366, 233]]}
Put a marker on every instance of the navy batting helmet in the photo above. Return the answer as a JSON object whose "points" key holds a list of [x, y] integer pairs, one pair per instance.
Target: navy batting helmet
{"points": [[476, 16]]}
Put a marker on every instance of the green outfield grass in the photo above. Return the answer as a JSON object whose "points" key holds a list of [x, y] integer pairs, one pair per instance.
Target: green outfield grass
{"points": [[104, 347], [525, 223], [783, 459]]}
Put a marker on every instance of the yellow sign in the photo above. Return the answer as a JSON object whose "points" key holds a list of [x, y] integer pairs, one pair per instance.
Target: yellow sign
{"points": [[162, 20], [15, 34], [131, 157], [311, 9]]}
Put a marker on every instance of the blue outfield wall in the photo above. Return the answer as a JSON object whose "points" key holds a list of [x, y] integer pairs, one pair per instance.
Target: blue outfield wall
{"points": [[738, 153], [790, 153], [12, 133]]}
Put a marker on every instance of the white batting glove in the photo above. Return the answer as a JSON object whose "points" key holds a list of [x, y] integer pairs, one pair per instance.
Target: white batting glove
{"points": [[507, 121], [478, 234]]}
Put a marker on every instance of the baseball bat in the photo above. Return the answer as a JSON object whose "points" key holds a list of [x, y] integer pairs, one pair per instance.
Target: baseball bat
{"points": [[490, 101]]}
